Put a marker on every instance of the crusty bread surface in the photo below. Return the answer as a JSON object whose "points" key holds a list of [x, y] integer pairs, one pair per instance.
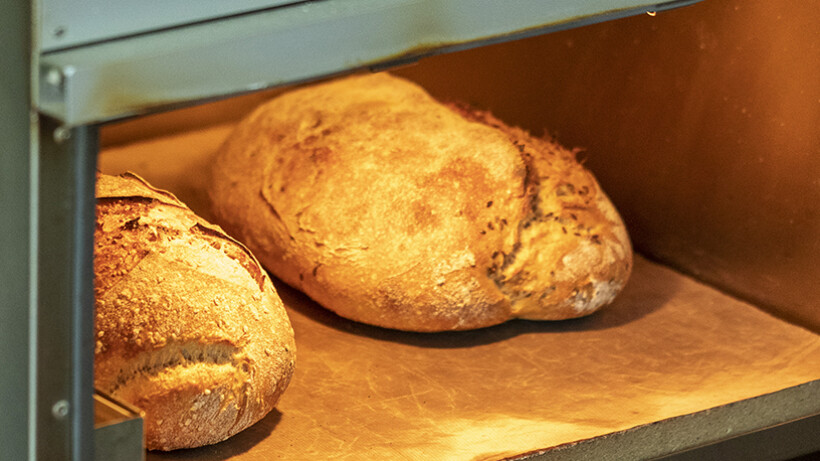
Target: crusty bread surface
{"points": [[391, 208], [188, 326]]}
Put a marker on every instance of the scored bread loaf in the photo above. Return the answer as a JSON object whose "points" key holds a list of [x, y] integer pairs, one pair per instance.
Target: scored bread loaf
{"points": [[188, 326], [393, 209]]}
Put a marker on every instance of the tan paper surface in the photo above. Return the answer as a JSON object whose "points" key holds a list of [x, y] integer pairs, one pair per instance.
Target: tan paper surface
{"points": [[669, 346]]}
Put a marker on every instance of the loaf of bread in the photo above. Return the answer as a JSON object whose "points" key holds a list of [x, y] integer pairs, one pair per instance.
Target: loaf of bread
{"points": [[188, 326], [391, 208]]}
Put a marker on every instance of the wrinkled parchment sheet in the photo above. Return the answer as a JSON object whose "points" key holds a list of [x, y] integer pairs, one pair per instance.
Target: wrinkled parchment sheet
{"points": [[668, 346]]}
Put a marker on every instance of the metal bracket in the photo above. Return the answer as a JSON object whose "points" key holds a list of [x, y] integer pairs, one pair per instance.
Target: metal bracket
{"points": [[291, 44], [118, 430]]}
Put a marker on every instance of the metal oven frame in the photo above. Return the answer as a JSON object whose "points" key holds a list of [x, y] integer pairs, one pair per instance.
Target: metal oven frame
{"points": [[56, 98]]}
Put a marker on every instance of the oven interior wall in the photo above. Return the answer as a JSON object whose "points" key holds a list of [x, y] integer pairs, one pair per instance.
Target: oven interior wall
{"points": [[701, 124]]}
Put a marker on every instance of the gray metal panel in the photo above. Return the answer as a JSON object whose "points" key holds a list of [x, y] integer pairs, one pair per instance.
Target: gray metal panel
{"points": [[783, 441], [716, 427], [16, 398], [290, 44], [118, 431], [65, 290], [46, 271], [65, 23]]}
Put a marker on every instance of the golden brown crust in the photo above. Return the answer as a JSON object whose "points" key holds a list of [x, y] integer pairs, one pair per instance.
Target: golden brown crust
{"points": [[393, 209], [573, 251], [188, 326]]}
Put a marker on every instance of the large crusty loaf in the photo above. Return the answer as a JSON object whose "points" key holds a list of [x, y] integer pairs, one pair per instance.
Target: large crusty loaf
{"points": [[393, 209], [188, 326]]}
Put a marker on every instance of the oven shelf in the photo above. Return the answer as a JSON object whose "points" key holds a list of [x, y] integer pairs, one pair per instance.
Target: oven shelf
{"points": [[674, 364], [136, 74]]}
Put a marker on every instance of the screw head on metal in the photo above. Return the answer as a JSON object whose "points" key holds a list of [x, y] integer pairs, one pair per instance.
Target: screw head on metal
{"points": [[54, 77], [62, 134], [60, 409]]}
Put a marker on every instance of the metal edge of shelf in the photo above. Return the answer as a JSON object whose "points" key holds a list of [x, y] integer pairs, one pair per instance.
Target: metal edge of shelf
{"points": [[722, 432], [69, 23], [118, 430], [292, 44]]}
